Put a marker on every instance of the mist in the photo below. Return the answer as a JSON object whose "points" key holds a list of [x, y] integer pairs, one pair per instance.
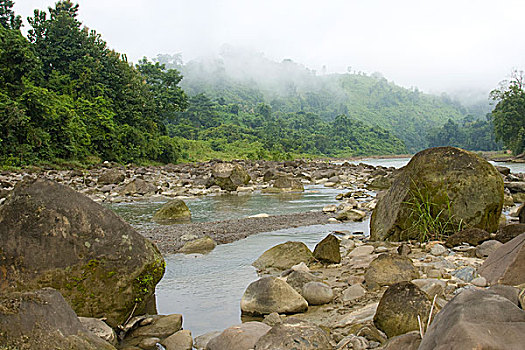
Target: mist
{"points": [[447, 46]]}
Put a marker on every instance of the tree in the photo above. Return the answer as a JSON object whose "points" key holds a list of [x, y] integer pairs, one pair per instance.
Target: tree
{"points": [[8, 19], [509, 114]]}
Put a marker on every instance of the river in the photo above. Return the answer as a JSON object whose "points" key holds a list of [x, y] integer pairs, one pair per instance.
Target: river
{"points": [[207, 289]]}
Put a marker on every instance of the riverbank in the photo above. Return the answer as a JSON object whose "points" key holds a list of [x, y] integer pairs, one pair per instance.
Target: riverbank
{"points": [[170, 238]]}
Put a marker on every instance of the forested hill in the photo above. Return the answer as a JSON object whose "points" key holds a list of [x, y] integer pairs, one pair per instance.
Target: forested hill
{"points": [[244, 78]]}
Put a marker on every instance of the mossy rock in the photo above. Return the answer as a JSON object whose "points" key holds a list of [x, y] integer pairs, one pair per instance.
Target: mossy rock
{"points": [[173, 211], [55, 237], [449, 187], [201, 245]]}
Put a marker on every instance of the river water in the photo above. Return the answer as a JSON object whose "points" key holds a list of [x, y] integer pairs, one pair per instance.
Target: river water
{"points": [[207, 289]]}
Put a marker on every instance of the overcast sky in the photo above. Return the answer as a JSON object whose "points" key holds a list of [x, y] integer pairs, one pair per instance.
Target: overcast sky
{"points": [[444, 45]]}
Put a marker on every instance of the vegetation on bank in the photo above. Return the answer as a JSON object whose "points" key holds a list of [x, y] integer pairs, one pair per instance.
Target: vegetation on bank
{"points": [[66, 98]]}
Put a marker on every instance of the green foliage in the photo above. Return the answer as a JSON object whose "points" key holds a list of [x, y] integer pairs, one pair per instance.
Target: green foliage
{"points": [[8, 19], [509, 113], [430, 220]]}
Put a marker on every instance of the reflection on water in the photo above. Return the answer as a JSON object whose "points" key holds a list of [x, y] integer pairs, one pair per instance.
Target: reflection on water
{"points": [[224, 207], [207, 289]]}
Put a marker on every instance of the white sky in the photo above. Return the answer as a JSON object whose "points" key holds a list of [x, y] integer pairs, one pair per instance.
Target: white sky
{"points": [[444, 45]]}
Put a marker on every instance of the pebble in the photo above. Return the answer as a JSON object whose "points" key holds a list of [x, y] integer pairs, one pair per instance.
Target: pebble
{"points": [[466, 273], [438, 250]]}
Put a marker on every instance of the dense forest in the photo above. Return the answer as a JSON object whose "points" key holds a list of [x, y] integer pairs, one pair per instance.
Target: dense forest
{"points": [[66, 96]]}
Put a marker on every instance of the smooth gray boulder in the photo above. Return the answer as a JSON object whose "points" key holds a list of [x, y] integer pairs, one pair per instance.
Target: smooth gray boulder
{"points": [[476, 319], [464, 188], [271, 294], [239, 337], [317, 293]]}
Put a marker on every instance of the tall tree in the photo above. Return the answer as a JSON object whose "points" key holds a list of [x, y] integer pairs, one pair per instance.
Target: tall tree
{"points": [[509, 113], [8, 19]]}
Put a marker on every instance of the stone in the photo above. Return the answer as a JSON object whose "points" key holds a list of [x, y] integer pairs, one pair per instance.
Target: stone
{"points": [[486, 248], [163, 326], [479, 282], [100, 329], [360, 315], [42, 319], [317, 293], [466, 273], [438, 250], [465, 188], [55, 237], [284, 256], [506, 264], [201, 341], [229, 176], [404, 249], [399, 308], [509, 292], [361, 251], [327, 251], [331, 208], [351, 215], [285, 184], [201, 246], [173, 211], [149, 343], [239, 337], [138, 187], [353, 342], [521, 214], [294, 334], [431, 286], [476, 319], [521, 298], [111, 177], [271, 294], [272, 319], [297, 279], [353, 292], [472, 236], [388, 269], [180, 340], [507, 233], [381, 182], [407, 341]]}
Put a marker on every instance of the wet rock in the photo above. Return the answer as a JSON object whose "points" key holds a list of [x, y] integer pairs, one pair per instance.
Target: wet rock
{"points": [[407, 341], [201, 246], [297, 279], [507, 233], [476, 319], [399, 308], [180, 340], [100, 329], [240, 337], [294, 334], [327, 250], [138, 187], [173, 211], [506, 264], [42, 319], [317, 293], [472, 236], [353, 292], [388, 269], [271, 294], [284, 256], [486, 248], [111, 177], [55, 237], [448, 177]]}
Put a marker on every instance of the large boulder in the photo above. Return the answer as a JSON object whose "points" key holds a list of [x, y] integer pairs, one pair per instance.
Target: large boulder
{"points": [[55, 237], [111, 176], [283, 256], [229, 176], [294, 334], [271, 294], [399, 308], [455, 186], [328, 250], [388, 269], [476, 319], [285, 184], [200, 245], [507, 233], [138, 187], [42, 319], [239, 337], [173, 211], [506, 264]]}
